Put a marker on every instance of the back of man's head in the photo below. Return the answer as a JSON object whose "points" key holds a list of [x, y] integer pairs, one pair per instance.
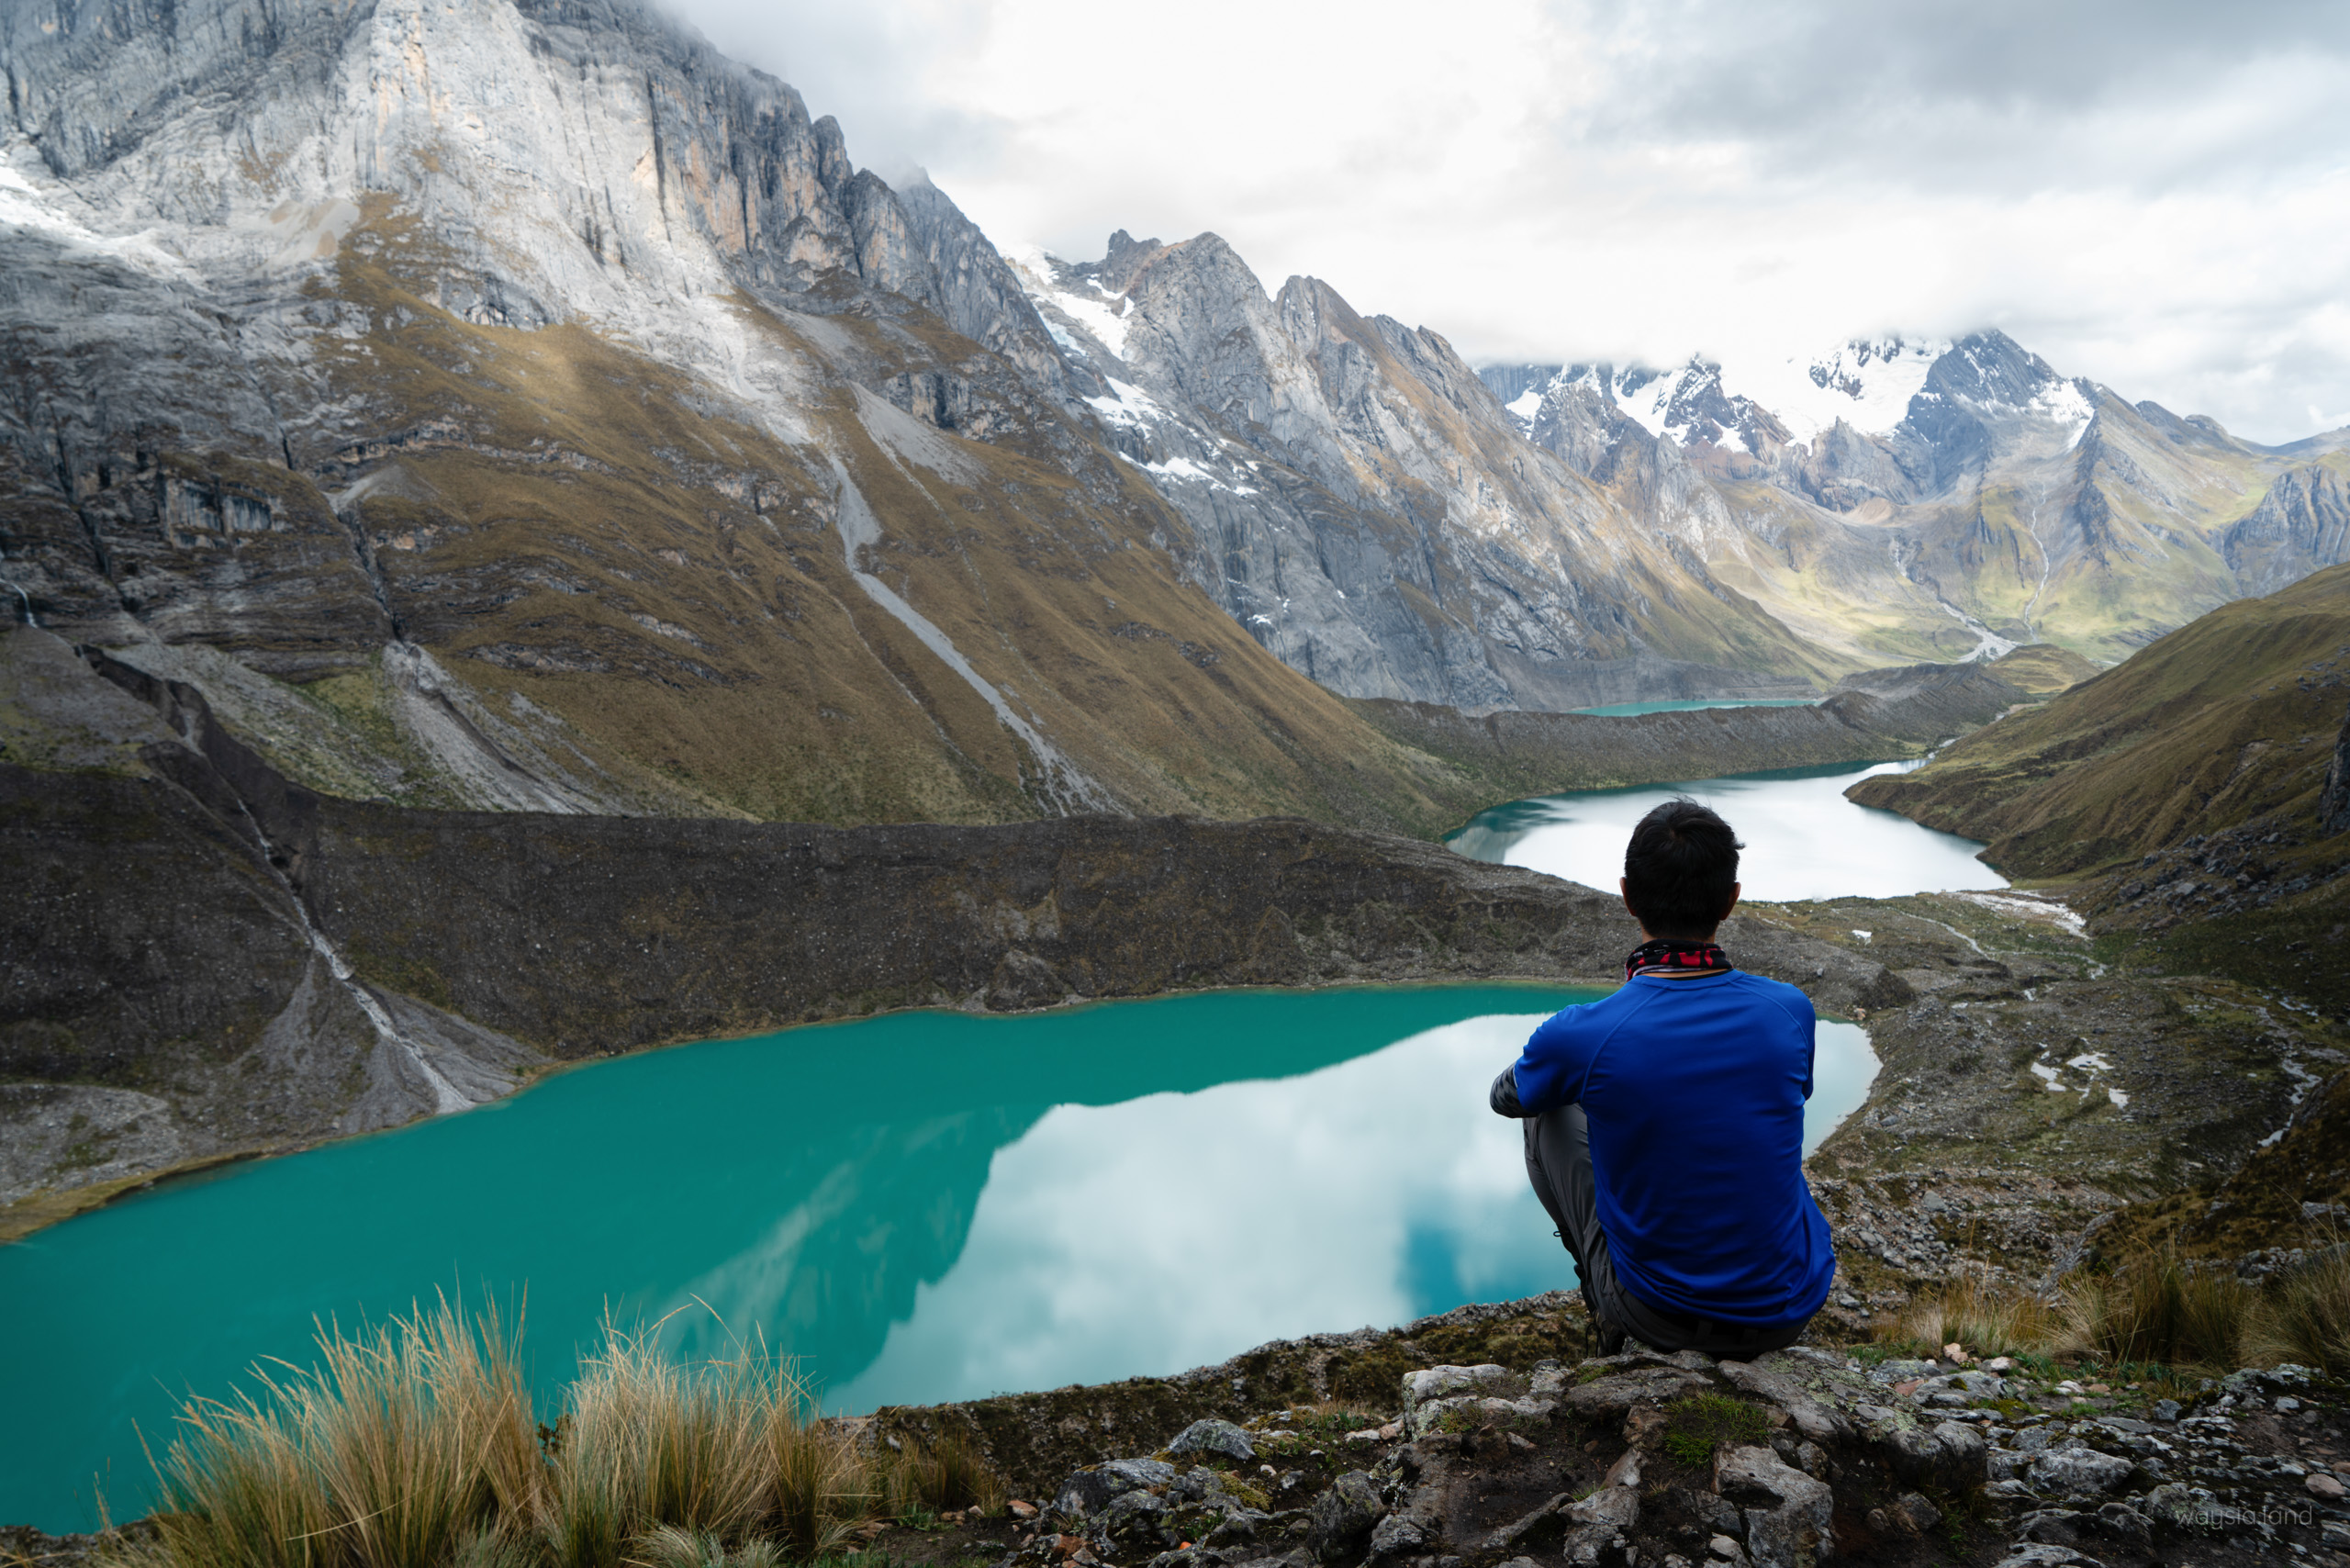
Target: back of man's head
{"points": [[1679, 870]]}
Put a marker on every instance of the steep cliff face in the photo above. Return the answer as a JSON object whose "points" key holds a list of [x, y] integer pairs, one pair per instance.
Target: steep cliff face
{"points": [[549, 408], [2301, 525], [1361, 500]]}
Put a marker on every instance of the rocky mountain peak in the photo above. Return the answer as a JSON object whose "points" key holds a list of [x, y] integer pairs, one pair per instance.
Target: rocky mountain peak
{"points": [[1122, 262], [1511, 383], [577, 161]]}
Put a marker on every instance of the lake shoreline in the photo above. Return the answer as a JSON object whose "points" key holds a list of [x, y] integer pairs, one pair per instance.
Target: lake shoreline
{"points": [[496, 945]]}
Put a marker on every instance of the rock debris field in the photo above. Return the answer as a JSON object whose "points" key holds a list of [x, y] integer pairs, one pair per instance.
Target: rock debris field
{"points": [[1679, 1460]]}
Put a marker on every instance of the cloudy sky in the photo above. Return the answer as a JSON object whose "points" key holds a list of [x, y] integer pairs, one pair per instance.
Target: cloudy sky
{"points": [[2156, 194]]}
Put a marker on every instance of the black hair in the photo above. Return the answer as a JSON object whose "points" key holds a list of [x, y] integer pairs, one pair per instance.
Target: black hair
{"points": [[1679, 869]]}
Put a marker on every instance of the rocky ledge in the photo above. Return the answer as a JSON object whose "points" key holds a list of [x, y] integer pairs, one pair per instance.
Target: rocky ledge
{"points": [[1676, 1461], [1374, 1449]]}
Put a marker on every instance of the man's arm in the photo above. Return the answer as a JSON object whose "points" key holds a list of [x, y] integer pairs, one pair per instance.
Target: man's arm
{"points": [[1544, 1076]]}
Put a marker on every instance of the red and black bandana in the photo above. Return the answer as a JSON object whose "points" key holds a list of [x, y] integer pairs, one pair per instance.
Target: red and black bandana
{"points": [[1666, 954]]}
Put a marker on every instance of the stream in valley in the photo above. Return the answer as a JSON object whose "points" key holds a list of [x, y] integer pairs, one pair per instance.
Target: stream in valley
{"points": [[922, 1206]]}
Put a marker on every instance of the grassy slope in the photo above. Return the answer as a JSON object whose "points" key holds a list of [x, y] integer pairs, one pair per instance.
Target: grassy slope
{"points": [[2043, 668], [2226, 721], [587, 531], [2175, 795], [1832, 583]]}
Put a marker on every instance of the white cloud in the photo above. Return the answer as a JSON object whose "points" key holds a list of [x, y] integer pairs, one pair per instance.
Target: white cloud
{"points": [[2149, 194]]}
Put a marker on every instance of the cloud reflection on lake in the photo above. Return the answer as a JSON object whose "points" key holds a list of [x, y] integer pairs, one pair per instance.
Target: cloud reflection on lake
{"points": [[1804, 839], [1177, 1230]]}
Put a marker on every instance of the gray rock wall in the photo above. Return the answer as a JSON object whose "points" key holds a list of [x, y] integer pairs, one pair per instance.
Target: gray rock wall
{"points": [[1539, 753], [1357, 497], [2301, 525]]}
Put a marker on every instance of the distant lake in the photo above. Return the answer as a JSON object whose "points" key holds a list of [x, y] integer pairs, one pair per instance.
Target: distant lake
{"points": [[924, 1206], [1803, 839], [1634, 710]]}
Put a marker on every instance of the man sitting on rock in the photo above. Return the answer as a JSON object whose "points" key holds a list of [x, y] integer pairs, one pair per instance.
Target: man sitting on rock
{"points": [[1665, 1124]]}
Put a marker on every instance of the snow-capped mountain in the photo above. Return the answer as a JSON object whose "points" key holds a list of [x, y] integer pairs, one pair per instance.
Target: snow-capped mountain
{"points": [[317, 318], [1358, 502], [2020, 497]]}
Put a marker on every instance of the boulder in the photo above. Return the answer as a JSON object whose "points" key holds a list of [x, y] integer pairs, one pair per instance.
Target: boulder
{"points": [[1340, 1525], [1436, 1382], [1789, 1515], [1398, 1536], [1951, 1456], [1619, 1392], [1090, 1490], [1138, 1522], [1211, 1436], [2079, 1472], [1598, 1527], [1475, 1410], [1778, 1387], [1431, 1392], [1909, 1513]]}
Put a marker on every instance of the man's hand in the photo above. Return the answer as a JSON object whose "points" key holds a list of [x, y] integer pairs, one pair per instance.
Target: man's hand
{"points": [[1504, 1096]]}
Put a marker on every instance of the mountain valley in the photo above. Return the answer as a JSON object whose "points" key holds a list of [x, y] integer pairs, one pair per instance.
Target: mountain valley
{"points": [[520, 552], [624, 448]]}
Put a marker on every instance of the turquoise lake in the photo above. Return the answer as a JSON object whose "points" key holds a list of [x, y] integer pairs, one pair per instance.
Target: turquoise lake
{"points": [[924, 1206], [1803, 839]]}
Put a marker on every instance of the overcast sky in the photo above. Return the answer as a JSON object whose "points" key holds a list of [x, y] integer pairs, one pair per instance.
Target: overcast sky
{"points": [[2154, 193]]}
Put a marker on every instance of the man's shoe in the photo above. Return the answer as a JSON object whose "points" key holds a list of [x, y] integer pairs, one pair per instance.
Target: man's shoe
{"points": [[1611, 1339]]}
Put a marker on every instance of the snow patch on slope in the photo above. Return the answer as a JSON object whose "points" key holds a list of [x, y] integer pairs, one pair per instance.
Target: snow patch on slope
{"points": [[2063, 403], [1865, 383], [22, 206], [1646, 396], [1094, 310], [1127, 403]]}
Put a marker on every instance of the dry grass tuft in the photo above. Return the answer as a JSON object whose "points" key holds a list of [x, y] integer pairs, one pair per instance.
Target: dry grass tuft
{"points": [[1988, 1319], [937, 1479], [403, 1447], [413, 1445], [2308, 1315], [2156, 1308]]}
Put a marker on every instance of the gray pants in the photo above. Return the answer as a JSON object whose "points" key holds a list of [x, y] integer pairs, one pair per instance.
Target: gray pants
{"points": [[1558, 1161]]}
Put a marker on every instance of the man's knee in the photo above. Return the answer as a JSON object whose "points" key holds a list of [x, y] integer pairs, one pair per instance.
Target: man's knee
{"points": [[1557, 1162]]}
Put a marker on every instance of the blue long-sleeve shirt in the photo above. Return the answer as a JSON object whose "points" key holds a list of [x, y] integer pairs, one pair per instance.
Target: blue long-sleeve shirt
{"points": [[1694, 1090]]}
